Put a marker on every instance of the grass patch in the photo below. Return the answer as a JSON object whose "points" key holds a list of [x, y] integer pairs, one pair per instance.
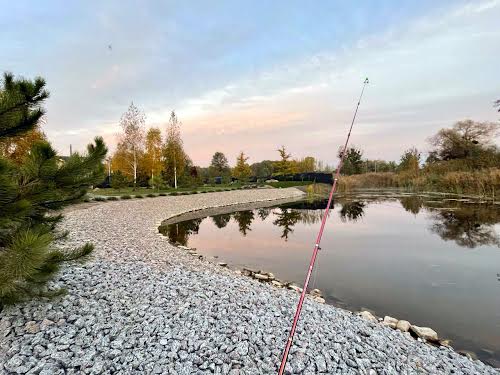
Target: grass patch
{"points": [[99, 199], [151, 195], [139, 196], [285, 184], [126, 196], [112, 198]]}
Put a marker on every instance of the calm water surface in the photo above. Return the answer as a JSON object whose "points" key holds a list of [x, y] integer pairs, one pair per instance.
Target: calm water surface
{"points": [[431, 261]]}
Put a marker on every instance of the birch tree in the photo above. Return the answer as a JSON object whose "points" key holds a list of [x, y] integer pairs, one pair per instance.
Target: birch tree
{"points": [[131, 140], [153, 151], [175, 159]]}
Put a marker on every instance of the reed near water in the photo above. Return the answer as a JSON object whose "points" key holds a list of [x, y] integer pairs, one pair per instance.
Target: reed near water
{"points": [[484, 182]]}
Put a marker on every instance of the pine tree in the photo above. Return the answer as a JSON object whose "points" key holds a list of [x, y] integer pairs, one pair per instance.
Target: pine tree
{"points": [[33, 188], [285, 165]]}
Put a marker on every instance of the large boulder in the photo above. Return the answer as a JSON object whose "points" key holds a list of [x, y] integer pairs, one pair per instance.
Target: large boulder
{"points": [[403, 325], [425, 333], [389, 321]]}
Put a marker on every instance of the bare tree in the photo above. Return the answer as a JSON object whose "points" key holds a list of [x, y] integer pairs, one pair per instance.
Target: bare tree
{"points": [[131, 140]]}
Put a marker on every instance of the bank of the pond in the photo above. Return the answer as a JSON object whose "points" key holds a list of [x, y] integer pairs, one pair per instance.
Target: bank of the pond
{"points": [[142, 305]]}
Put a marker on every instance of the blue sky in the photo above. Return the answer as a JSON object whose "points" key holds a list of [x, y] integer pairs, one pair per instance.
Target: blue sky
{"points": [[255, 75]]}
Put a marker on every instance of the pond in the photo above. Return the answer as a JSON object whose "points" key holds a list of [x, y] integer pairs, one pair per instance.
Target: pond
{"points": [[423, 258]]}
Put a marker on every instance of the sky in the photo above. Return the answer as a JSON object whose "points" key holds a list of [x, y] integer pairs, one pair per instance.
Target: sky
{"points": [[252, 76]]}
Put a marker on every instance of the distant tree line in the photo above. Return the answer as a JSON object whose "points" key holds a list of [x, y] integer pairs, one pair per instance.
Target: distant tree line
{"points": [[146, 157], [463, 159]]}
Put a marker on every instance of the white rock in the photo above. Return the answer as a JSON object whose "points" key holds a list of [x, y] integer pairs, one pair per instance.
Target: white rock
{"points": [[389, 321], [260, 276], [316, 292], [403, 325], [368, 316], [425, 333]]}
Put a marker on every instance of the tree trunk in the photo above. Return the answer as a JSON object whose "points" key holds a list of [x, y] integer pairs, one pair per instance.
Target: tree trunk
{"points": [[135, 170]]}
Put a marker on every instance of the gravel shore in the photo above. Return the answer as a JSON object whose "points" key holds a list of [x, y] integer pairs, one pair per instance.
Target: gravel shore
{"points": [[141, 305]]}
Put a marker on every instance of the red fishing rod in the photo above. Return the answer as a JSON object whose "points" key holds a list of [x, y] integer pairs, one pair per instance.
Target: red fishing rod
{"points": [[318, 241]]}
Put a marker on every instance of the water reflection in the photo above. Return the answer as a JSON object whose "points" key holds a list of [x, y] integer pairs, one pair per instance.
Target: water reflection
{"points": [[286, 219], [244, 219], [263, 213], [352, 211], [179, 233], [468, 227], [222, 220], [412, 203]]}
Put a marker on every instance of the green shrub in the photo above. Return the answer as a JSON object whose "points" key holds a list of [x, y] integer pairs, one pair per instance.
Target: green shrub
{"points": [[86, 200], [112, 198], [126, 197], [139, 196], [162, 194], [99, 199], [151, 195], [174, 193]]}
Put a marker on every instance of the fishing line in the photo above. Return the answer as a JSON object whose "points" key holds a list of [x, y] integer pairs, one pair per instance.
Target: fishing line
{"points": [[316, 248]]}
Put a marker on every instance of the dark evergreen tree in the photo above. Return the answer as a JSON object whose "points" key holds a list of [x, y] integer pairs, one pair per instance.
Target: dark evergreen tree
{"points": [[31, 190]]}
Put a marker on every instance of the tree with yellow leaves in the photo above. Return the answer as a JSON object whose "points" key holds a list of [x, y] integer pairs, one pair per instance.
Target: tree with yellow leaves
{"points": [[130, 145], [242, 170], [16, 148], [152, 156]]}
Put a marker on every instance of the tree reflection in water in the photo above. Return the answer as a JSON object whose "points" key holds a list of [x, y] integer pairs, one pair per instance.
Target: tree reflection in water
{"points": [[412, 203], [468, 227], [244, 219], [222, 220], [286, 219], [352, 211], [264, 213], [180, 232]]}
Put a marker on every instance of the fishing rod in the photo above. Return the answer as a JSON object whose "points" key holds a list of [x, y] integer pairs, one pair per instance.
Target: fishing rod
{"points": [[318, 241]]}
